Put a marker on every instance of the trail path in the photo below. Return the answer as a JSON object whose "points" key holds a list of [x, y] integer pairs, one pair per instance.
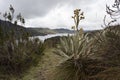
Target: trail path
{"points": [[42, 71]]}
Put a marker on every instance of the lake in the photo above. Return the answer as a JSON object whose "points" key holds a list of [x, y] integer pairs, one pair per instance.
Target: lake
{"points": [[51, 35]]}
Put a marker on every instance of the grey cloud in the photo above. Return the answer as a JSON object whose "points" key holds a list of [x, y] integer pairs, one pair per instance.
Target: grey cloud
{"points": [[41, 9], [32, 8]]}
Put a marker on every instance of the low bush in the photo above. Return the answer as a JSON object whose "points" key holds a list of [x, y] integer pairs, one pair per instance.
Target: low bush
{"points": [[17, 56]]}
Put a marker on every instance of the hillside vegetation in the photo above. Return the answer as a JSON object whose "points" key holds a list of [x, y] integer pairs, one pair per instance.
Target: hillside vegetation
{"points": [[8, 26], [93, 55], [90, 56], [97, 58]]}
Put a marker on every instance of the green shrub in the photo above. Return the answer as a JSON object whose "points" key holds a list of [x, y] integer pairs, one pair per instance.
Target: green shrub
{"points": [[17, 56], [107, 50], [107, 45]]}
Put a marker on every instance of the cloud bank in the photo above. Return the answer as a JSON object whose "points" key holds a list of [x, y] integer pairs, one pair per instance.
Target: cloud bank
{"points": [[57, 13]]}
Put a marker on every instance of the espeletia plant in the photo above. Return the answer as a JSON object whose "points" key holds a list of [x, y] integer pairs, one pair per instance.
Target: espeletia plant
{"points": [[76, 50]]}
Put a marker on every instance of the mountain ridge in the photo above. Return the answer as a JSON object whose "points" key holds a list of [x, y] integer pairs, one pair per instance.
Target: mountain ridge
{"points": [[8, 26]]}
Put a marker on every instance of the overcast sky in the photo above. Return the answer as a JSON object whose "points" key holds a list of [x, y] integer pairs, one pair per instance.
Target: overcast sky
{"points": [[57, 13]]}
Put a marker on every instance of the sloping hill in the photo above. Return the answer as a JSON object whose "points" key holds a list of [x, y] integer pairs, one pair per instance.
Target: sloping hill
{"points": [[43, 30], [51, 31], [8, 26], [62, 30]]}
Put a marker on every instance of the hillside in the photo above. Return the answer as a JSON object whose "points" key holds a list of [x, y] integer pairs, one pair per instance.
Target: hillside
{"points": [[43, 30], [8, 26], [62, 30], [51, 31]]}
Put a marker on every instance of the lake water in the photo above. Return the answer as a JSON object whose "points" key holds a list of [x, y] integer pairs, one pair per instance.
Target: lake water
{"points": [[51, 35]]}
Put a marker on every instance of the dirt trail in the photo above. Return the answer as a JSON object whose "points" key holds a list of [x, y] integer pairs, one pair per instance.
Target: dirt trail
{"points": [[42, 71]]}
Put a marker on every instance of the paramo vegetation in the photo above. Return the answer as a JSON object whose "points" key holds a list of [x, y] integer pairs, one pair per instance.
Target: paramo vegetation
{"points": [[17, 54], [87, 56], [95, 57]]}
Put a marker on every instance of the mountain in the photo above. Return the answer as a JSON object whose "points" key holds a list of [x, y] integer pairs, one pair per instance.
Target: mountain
{"points": [[51, 31], [62, 30], [8, 26], [43, 30]]}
